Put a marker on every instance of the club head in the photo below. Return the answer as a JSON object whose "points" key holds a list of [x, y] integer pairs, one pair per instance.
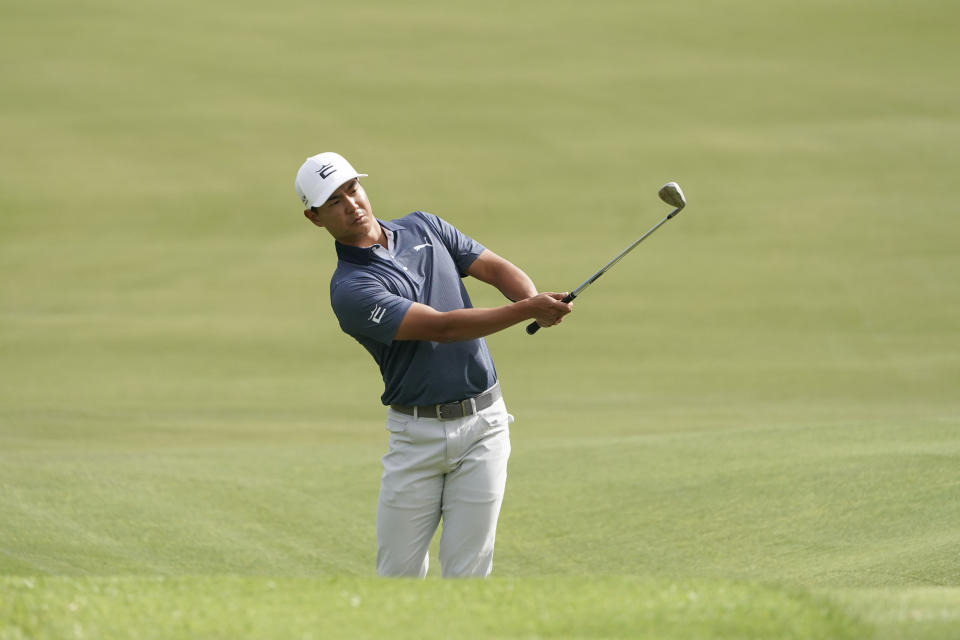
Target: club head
{"points": [[672, 195]]}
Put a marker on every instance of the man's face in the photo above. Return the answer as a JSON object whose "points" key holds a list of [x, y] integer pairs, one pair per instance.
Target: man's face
{"points": [[347, 214]]}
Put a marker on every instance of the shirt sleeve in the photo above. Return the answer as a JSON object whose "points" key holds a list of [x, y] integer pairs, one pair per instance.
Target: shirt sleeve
{"points": [[364, 307], [461, 247]]}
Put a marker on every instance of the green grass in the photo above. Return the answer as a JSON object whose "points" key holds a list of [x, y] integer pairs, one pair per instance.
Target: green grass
{"points": [[235, 607], [759, 406], [920, 612]]}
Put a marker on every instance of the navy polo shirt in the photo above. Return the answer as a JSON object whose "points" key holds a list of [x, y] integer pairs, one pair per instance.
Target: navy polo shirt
{"points": [[370, 295]]}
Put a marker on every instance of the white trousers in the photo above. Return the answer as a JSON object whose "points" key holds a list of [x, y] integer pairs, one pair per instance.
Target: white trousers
{"points": [[449, 470]]}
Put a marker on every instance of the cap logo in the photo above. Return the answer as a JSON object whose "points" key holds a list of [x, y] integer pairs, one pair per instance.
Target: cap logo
{"points": [[325, 171]]}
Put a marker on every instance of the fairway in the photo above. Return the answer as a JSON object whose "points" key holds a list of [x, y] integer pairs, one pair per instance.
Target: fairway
{"points": [[749, 429]]}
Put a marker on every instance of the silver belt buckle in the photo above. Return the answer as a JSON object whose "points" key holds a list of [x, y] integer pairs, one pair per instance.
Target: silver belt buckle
{"points": [[449, 411]]}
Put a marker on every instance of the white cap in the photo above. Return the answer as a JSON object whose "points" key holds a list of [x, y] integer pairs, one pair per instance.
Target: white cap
{"points": [[321, 175]]}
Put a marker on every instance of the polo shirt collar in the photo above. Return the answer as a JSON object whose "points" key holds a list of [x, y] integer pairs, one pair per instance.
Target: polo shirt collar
{"points": [[363, 255]]}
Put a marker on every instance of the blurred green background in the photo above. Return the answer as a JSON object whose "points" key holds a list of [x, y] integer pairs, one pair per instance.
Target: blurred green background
{"points": [[765, 391]]}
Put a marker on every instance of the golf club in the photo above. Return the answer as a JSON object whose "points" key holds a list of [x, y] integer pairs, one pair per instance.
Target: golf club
{"points": [[669, 193]]}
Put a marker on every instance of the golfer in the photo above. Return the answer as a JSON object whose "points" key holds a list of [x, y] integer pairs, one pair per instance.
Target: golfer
{"points": [[397, 290]]}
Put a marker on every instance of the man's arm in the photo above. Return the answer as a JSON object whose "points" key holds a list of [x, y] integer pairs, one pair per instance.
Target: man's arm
{"points": [[502, 274], [422, 322]]}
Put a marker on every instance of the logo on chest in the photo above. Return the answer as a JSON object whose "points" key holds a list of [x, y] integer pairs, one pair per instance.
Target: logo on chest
{"points": [[426, 243]]}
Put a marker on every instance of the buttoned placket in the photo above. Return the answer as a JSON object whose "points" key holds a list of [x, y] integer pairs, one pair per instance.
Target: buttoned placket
{"points": [[388, 254]]}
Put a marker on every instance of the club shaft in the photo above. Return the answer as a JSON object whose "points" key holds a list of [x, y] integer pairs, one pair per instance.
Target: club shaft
{"points": [[610, 264], [533, 327]]}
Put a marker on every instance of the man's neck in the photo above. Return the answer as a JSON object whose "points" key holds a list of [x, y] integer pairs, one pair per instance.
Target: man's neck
{"points": [[376, 237]]}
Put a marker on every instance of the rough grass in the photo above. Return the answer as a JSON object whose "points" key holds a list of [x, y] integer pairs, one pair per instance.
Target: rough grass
{"points": [[243, 607]]}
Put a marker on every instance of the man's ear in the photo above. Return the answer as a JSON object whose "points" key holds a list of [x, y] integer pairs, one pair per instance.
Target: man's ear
{"points": [[312, 216]]}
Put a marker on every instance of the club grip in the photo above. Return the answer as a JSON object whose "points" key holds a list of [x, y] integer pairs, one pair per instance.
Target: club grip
{"points": [[533, 327]]}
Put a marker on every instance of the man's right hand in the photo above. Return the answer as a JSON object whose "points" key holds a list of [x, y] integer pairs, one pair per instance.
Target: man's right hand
{"points": [[549, 308]]}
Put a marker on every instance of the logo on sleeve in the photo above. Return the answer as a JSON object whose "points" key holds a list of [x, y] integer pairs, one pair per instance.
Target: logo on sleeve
{"points": [[376, 314]]}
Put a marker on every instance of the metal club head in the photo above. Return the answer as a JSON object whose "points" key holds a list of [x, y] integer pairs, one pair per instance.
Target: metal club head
{"points": [[672, 195]]}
